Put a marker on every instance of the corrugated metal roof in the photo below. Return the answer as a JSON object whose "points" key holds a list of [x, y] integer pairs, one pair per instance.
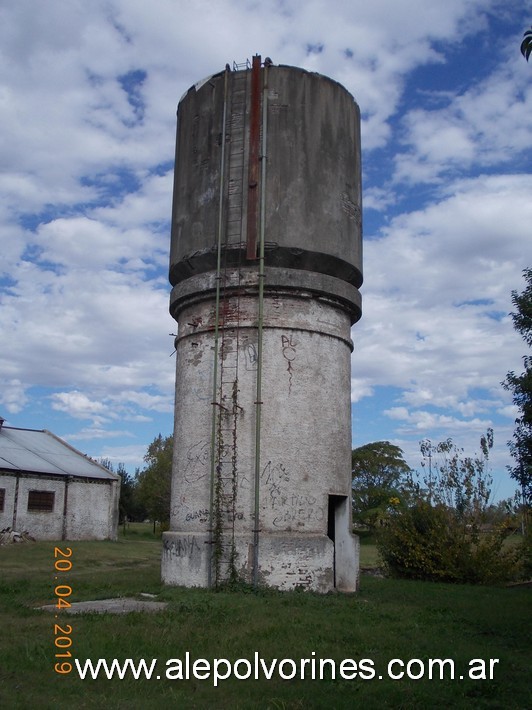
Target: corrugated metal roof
{"points": [[43, 452]]}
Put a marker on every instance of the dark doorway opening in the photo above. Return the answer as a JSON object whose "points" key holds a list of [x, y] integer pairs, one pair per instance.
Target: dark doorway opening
{"points": [[335, 513]]}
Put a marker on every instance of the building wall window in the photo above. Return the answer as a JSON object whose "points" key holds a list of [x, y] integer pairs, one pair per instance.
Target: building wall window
{"points": [[41, 501], [2, 499]]}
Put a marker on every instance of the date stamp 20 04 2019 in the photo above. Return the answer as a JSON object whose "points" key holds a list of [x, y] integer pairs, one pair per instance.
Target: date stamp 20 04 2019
{"points": [[62, 633]]}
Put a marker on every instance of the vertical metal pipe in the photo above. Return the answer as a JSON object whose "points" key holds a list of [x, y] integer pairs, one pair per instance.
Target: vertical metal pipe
{"points": [[253, 170], [15, 502], [65, 509], [260, 324], [216, 328]]}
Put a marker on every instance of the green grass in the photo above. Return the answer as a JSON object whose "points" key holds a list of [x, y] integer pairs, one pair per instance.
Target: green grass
{"points": [[369, 554], [386, 619]]}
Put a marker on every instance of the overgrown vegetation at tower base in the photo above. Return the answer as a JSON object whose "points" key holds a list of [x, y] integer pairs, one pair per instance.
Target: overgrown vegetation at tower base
{"points": [[387, 619]]}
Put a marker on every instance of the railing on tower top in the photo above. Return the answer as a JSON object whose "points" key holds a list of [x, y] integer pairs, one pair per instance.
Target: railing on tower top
{"points": [[242, 65]]}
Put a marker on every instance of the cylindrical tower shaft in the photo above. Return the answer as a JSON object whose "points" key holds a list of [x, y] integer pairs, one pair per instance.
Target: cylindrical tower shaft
{"points": [[266, 265]]}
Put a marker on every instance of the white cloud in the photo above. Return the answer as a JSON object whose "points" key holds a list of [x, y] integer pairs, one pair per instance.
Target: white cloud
{"points": [[360, 389], [488, 124], [437, 294], [157, 403], [378, 199], [95, 433], [422, 421], [131, 456], [13, 395], [78, 405], [87, 179]]}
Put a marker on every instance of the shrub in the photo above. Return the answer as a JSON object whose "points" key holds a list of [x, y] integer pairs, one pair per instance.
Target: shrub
{"points": [[431, 543], [526, 549]]}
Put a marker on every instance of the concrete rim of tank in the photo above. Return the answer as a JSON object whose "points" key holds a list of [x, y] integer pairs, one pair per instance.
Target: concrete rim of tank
{"points": [[336, 291], [198, 84]]}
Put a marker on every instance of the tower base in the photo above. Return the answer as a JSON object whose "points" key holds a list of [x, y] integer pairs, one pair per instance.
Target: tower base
{"points": [[286, 561]]}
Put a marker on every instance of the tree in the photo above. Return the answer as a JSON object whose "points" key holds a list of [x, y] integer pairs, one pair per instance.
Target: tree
{"points": [[154, 481], [439, 534], [379, 475], [457, 482], [521, 388], [526, 45], [129, 507]]}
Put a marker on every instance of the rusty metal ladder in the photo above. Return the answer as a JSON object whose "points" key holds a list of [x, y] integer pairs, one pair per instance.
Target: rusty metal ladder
{"points": [[226, 408]]}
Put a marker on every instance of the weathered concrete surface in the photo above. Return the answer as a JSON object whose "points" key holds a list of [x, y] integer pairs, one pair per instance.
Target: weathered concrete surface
{"points": [[311, 222], [287, 561], [122, 605], [313, 198], [278, 280], [90, 513], [305, 452]]}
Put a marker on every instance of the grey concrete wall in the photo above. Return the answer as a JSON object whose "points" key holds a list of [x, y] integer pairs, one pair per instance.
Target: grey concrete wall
{"points": [[314, 195], [91, 508], [311, 204], [305, 451], [92, 511], [6, 515]]}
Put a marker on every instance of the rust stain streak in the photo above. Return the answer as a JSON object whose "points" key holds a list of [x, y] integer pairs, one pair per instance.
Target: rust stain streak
{"points": [[253, 165]]}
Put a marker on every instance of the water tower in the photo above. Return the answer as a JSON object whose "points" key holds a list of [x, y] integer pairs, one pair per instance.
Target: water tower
{"points": [[265, 265]]}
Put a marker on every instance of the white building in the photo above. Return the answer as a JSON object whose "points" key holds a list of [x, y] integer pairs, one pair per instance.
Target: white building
{"points": [[53, 491]]}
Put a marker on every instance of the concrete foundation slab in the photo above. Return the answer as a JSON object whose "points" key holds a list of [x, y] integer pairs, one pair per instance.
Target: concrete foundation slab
{"points": [[122, 605]]}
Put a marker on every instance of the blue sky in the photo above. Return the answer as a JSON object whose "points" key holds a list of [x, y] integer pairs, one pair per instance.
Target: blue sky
{"points": [[89, 93]]}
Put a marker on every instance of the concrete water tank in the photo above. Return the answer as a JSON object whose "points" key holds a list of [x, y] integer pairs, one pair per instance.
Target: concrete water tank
{"points": [[266, 262]]}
